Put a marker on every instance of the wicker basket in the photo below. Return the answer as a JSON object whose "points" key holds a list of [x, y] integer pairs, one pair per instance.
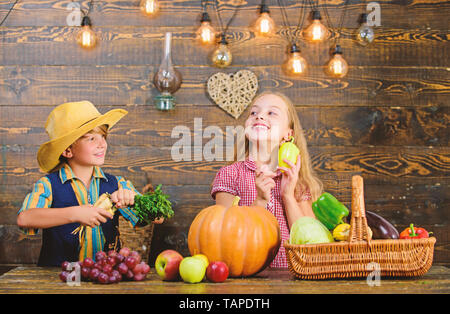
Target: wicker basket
{"points": [[139, 238], [354, 258]]}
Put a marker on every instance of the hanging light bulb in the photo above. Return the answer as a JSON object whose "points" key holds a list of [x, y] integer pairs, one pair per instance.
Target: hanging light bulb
{"points": [[206, 34], [264, 25], [365, 34], [316, 32], [295, 65], [149, 7], [86, 37], [221, 57], [337, 67]]}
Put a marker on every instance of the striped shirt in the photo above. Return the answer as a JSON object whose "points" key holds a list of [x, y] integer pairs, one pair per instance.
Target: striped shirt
{"points": [[41, 194]]}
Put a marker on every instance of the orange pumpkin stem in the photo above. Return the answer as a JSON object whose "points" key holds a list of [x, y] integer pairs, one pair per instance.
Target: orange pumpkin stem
{"points": [[236, 201]]}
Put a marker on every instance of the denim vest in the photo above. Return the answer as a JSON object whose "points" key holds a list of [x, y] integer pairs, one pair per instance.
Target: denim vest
{"points": [[58, 243]]}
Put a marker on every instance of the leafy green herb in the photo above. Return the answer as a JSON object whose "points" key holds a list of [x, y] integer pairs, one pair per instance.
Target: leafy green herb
{"points": [[152, 205]]}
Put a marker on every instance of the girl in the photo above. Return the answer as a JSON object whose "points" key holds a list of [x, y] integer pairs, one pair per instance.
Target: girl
{"points": [[287, 193]]}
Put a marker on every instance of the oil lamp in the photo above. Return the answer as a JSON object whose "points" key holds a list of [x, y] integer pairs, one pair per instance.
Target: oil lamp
{"points": [[167, 80]]}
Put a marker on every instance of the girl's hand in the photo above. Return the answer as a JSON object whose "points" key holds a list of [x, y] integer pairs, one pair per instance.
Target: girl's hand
{"points": [[91, 216], [264, 184], [289, 178], [123, 197]]}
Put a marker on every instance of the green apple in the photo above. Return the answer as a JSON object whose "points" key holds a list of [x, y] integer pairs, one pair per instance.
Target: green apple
{"points": [[192, 269], [203, 258]]}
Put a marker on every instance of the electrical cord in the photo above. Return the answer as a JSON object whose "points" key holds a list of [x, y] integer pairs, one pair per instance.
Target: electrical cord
{"points": [[290, 36], [6, 16]]}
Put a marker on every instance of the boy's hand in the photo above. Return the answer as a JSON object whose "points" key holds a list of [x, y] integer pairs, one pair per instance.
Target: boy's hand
{"points": [[123, 197], [91, 216]]}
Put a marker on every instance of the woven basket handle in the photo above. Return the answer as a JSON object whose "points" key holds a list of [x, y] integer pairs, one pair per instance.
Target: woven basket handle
{"points": [[358, 222]]}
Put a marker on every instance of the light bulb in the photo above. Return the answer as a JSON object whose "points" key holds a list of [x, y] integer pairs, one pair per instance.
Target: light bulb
{"points": [[221, 57], [337, 66], [316, 32], [264, 25], [86, 37], [206, 34], [149, 7], [365, 34], [295, 65]]}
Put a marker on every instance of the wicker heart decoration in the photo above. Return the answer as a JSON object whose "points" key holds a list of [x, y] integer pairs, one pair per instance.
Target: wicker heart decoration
{"points": [[233, 92]]}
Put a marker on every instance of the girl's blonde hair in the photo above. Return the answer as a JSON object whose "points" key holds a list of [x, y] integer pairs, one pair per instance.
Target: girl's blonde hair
{"points": [[307, 176]]}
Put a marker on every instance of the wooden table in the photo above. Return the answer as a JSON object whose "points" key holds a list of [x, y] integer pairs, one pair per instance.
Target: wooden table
{"points": [[31, 279]]}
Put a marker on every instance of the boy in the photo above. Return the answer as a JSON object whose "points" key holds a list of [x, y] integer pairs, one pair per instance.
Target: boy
{"points": [[62, 200]]}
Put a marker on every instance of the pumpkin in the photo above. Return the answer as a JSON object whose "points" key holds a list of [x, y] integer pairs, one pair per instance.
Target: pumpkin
{"points": [[246, 238]]}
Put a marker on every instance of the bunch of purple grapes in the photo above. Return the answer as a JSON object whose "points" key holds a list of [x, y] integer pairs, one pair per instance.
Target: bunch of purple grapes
{"points": [[110, 268]]}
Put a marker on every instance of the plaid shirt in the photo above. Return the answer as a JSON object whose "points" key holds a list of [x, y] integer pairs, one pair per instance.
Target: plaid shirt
{"points": [[239, 179]]}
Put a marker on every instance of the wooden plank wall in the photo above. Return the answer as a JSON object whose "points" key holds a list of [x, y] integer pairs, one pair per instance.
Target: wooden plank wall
{"points": [[387, 119]]}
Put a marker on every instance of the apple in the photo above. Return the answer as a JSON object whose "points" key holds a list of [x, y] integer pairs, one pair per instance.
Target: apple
{"points": [[167, 264], [192, 270], [217, 271], [203, 258]]}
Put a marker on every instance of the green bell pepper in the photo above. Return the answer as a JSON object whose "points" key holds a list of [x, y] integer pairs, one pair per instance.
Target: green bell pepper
{"points": [[329, 210]]}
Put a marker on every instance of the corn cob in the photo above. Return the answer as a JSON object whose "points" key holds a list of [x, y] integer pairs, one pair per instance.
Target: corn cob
{"points": [[104, 202]]}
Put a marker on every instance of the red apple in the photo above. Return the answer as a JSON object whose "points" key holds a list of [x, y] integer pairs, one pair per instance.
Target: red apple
{"points": [[217, 271], [167, 264]]}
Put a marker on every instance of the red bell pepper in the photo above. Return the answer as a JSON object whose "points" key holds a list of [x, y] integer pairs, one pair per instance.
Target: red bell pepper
{"points": [[414, 233]]}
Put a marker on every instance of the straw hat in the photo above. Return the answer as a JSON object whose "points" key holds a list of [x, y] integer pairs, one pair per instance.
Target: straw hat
{"points": [[67, 123]]}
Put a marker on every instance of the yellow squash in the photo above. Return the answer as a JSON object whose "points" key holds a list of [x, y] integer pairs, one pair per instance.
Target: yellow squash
{"points": [[341, 232]]}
